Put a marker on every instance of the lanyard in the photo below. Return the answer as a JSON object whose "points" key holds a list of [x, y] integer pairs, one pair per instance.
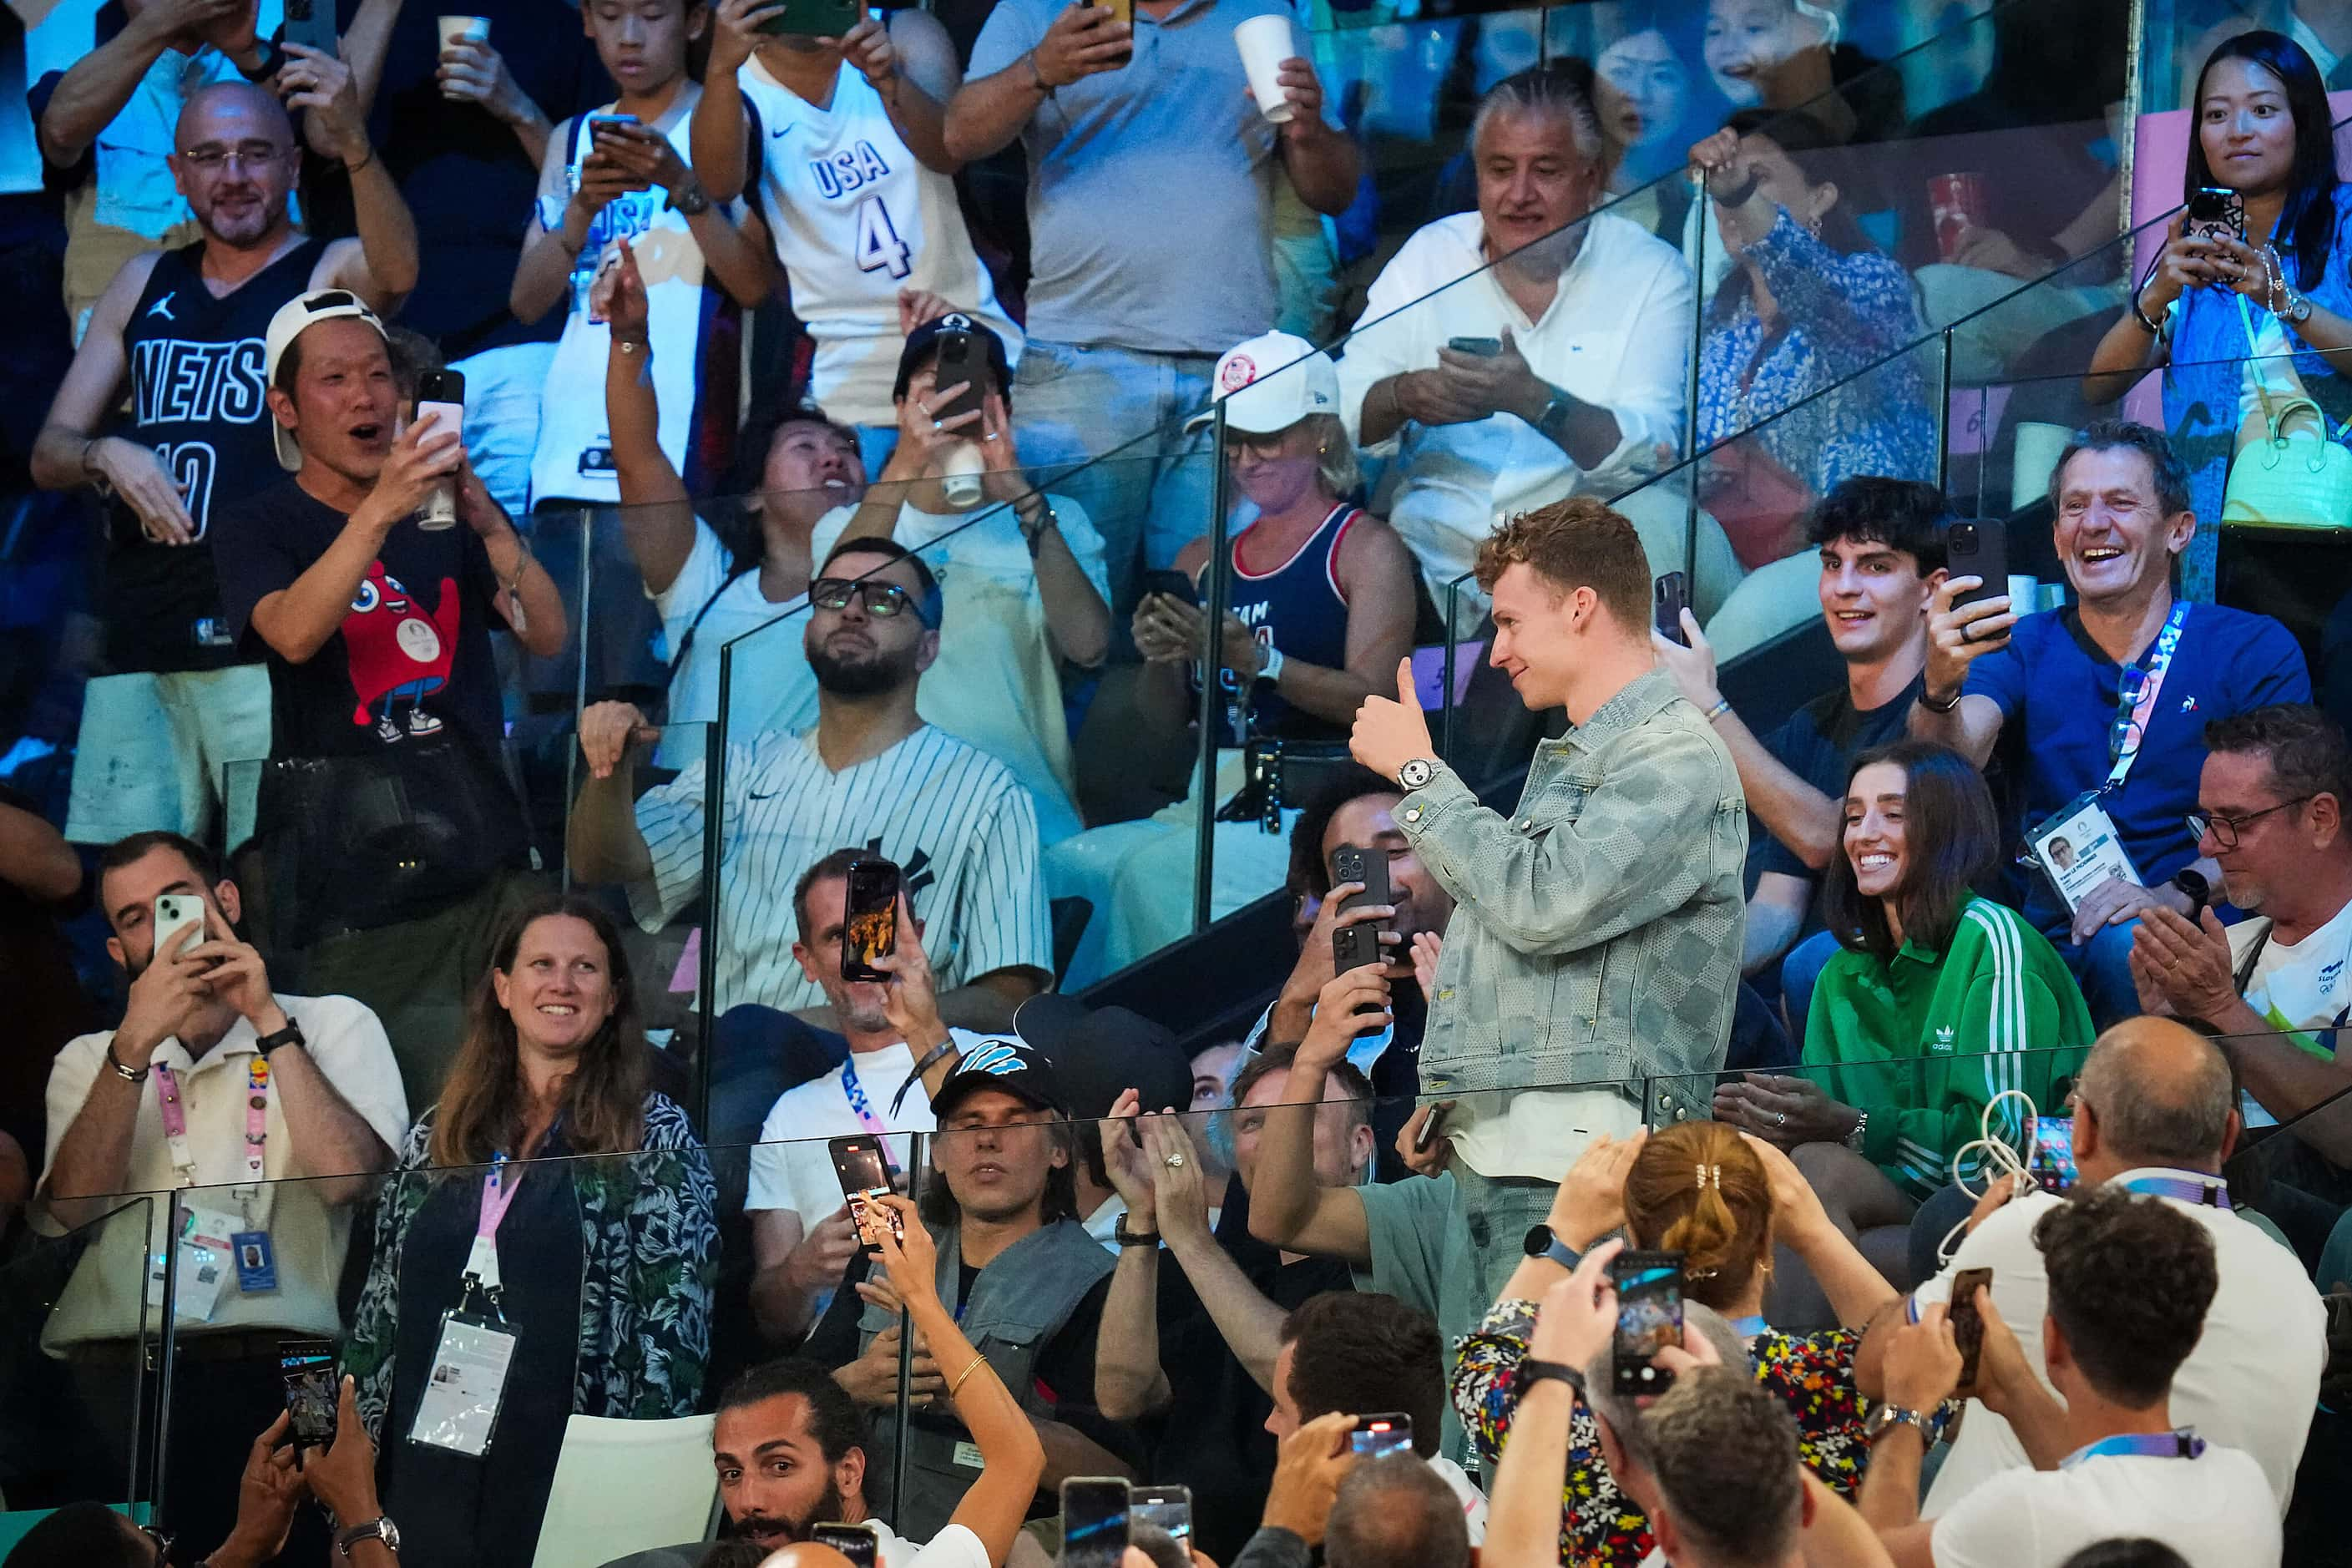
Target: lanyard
{"points": [[499, 1189], [256, 1125], [2189, 1187], [2143, 711], [863, 1108], [2181, 1443]]}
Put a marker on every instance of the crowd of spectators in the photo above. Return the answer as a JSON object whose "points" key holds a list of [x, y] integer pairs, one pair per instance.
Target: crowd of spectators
{"points": [[1962, 1047]]}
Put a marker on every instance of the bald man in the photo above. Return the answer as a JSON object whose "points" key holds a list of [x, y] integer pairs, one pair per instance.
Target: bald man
{"points": [[183, 329], [2154, 1111]]}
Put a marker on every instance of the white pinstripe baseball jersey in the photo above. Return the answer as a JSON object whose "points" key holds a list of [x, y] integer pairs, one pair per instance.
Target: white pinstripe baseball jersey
{"points": [[955, 820]]}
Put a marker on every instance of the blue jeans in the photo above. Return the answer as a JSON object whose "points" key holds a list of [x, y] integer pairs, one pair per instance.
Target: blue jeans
{"points": [[1800, 971], [2101, 967], [1073, 402]]}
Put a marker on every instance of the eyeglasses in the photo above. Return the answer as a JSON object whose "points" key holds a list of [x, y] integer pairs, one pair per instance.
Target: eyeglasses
{"points": [[2225, 829], [883, 601], [162, 1540], [252, 155]]}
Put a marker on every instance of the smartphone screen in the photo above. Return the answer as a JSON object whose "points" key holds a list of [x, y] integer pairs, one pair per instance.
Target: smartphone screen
{"points": [[179, 923], [1979, 550], [961, 359], [1672, 594], [871, 929], [1389, 1434], [1168, 1507], [1484, 347], [1175, 585], [864, 1170], [1968, 1325], [1649, 1318], [307, 1368], [1094, 1521], [2051, 1162], [855, 1541]]}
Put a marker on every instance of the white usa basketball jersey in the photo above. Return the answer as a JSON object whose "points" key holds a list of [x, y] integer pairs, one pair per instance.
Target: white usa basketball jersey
{"points": [[856, 219]]}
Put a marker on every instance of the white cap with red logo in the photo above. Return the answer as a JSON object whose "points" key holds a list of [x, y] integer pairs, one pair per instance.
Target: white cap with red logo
{"points": [[1271, 382]]}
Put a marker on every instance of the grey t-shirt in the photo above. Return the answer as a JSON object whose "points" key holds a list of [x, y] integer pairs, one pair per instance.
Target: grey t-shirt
{"points": [[1147, 180]]}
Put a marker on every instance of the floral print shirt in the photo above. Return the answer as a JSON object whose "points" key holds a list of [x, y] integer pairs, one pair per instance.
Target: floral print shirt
{"points": [[1600, 1526], [649, 1243]]}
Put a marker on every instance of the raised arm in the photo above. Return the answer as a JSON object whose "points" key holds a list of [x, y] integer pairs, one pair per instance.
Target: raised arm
{"points": [[988, 113], [1856, 1290], [1289, 1208], [297, 621], [1798, 815], [656, 517], [1324, 164], [1012, 1459], [1956, 638], [910, 62], [98, 85], [602, 837], [1129, 1381], [717, 133], [34, 857], [381, 267]]}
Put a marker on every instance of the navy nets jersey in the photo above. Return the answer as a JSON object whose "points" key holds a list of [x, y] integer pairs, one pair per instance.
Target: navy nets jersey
{"points": [[1299, 608], [197, 401]]}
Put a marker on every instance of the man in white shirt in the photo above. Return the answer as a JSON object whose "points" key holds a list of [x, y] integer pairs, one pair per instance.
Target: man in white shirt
{"points": [[2276, 986], [1362, 1352], [1558, 369], [2130, 1276], [2153, 1113], [801, 1235], [215, 1083], [869, 774], [790, 1449]]}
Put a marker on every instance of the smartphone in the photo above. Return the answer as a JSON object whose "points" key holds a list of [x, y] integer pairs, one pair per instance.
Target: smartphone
{"points": [[961, 359], [816, 18], [864, 1169], [441, 393], [2215, 212], [1121, 11], [1484, 347], [311, 23], [603, 127], [1094, 1521], [1671, 597], [1175, 585], [1389, 1434], [307, 1368], [2051, 1162], [1433, 1126], [1967, 1324], [179, 923], [1649, 1318], [855, 1541], [1168, 1507], [871, 930], [1979, 550]]}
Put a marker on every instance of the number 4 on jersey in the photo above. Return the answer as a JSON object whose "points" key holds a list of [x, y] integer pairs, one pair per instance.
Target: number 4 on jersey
{"points": [[879, 248]]}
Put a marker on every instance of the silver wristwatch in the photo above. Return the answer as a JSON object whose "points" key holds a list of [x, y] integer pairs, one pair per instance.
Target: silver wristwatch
{"points": [[1416, 773], [1861, 1126], [1887, 1416], [379, 1528]]}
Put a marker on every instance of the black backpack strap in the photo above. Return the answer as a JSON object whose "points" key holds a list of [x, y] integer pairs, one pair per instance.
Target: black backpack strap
{"points": [[735, 573]]}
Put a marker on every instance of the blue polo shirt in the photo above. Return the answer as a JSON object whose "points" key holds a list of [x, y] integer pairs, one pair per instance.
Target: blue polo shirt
{"points": [[2053, 679]]}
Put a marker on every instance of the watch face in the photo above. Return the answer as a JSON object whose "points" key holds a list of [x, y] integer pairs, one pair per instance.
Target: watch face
{"points": [[1415, 774], [1538, 1241]]}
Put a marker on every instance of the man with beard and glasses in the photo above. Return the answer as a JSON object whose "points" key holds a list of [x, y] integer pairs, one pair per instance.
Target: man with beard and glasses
{"points": [[869, 774], [1586, 321], [181, 331]]}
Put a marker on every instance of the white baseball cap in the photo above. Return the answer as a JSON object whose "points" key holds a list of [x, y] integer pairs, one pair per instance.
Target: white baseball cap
{"points": [[1271, 382], [292, 317]]}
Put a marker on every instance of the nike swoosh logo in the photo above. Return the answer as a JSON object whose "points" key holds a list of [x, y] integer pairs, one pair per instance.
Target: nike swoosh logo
{"points": [[781, 131]]}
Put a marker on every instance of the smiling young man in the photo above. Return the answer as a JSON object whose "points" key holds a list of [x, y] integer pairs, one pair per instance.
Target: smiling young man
{"points": [[1596, 930], [2112, 695], [1882, 549]]}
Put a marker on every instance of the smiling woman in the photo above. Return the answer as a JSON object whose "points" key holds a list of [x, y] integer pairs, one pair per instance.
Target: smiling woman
{"points": [[602, 1269]]}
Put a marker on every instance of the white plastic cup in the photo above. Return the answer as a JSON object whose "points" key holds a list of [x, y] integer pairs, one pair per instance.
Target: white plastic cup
{"points": [[1264, 43], [455, 30], [960, 480]]}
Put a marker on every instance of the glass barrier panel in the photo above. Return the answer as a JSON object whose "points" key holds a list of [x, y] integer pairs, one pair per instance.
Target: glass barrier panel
{"points": [[76, 1409]]}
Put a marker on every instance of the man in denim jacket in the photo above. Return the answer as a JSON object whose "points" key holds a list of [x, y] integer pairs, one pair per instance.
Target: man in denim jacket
{"points": [[1596, 936]]}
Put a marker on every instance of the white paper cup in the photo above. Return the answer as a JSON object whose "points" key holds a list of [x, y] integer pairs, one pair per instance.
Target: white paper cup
{"points": [[1265, 43], [960, 483], [458, 30]]}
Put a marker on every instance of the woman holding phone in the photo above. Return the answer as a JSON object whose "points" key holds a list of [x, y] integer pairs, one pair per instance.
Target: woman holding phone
{"points": [[601, 1269], [2263, 136], [1939, 1001], [1722, 1200]]}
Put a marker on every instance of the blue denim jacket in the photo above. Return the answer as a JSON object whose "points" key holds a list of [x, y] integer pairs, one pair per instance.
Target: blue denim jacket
{"points": [[1596, 932]]}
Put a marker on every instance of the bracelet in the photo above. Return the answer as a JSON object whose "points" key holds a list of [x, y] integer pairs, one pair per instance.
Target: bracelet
{"points": [[353, 169], [1722, 706], [2155, 329], [129, 1075], [1932, 706], [977, 1362], [92, 475], [631, 345]]}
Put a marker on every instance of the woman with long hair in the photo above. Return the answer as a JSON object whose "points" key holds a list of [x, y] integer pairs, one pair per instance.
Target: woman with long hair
{"points": [[2264, 134], [1723, 1201], [1939, 1001], [1810, 304], [599, 1254]]}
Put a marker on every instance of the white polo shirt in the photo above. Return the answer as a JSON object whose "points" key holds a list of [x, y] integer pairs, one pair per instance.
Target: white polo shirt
{"points": [[105, 1298], [2249, 1384], [1617, 334], [2216, 1511]]}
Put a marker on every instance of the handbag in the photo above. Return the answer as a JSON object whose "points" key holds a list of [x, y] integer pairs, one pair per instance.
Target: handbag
{"points": [[2299, 478]]}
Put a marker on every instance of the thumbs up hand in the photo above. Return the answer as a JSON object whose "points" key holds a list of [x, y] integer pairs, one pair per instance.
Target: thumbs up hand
{"points": [[1389, 734]]}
